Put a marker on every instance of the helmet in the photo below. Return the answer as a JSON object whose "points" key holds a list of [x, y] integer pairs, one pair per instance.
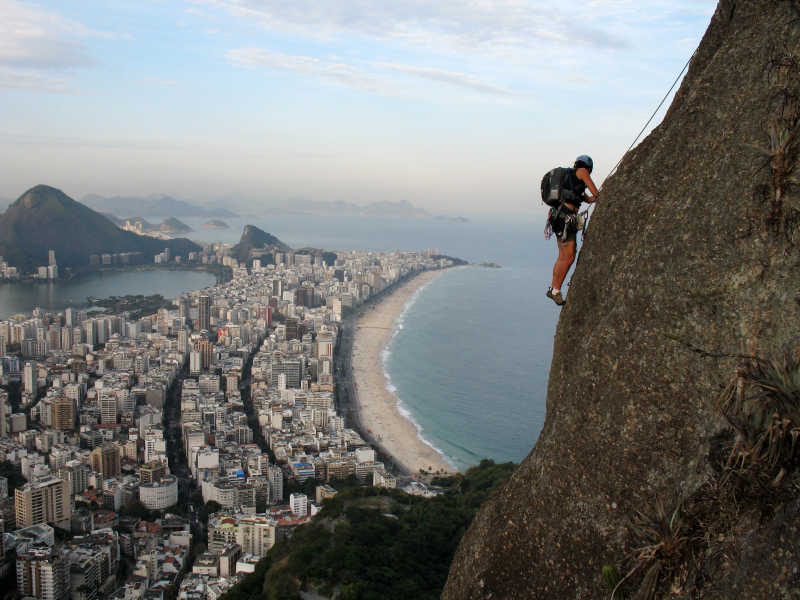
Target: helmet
{"points": [[586, 160]]}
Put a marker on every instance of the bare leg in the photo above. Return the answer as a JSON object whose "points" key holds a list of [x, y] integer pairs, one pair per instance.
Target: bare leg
{"points": [[566, 256]]}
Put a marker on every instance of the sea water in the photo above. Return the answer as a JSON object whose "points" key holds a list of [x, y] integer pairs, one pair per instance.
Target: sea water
{"points": [[470, 356]]}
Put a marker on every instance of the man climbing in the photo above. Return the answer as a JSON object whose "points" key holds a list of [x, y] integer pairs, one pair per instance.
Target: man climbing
{"points": [[564, 220]]}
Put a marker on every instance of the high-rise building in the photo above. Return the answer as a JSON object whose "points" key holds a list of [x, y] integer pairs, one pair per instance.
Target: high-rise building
{"points": [[106, 460], [43, 501], [51, 257], [108, 407], [152, 472], [29, 378], [76, 473], [43, 573], [256, 534], [63, 413], [66, 338], [275, 484], [206, 349], [5, 414], [204, 312]]}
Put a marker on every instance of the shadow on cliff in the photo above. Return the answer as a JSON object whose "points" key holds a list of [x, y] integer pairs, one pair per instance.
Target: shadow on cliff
{"points": [[657, 468]]}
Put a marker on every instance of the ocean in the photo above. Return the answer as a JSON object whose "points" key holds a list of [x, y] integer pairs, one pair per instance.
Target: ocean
{"points": [[470, 356]]}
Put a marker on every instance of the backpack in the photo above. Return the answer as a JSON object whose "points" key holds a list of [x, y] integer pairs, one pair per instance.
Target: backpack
{"points": [[557, 187]]}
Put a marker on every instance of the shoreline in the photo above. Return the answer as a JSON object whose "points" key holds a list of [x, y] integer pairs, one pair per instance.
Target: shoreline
{"points": [[380, 410]]}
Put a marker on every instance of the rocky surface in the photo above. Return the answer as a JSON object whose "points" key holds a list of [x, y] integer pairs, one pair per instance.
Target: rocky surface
{"points": [[691, 260]]}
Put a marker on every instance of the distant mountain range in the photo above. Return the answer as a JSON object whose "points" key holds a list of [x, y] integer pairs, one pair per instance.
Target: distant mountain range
{"points": [[45, 218], [384, 208], [157, 205]]}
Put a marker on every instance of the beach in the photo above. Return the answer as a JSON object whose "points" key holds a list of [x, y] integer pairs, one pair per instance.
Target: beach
{"points": [[378, 409]]}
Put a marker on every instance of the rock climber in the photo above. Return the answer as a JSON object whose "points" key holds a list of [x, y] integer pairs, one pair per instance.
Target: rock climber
{"points": [[566, 216]]}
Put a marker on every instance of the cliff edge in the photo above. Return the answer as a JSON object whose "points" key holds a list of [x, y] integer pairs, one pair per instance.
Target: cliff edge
{"points": [[691, 264]]}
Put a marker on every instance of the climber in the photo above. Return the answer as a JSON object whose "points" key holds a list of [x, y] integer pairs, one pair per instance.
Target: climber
{"points": [[566, 217]]}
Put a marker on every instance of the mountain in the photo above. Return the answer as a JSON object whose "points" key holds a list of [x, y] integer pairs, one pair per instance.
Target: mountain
{"points": [[384, 208], [216, 224], [172, 225], [152, 206], [667, 465], [255, 241], [45, 218]]}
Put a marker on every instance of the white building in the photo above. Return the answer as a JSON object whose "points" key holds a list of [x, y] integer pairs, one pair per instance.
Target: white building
{"points": [[299, 504], [159, 495], [256, 534]]}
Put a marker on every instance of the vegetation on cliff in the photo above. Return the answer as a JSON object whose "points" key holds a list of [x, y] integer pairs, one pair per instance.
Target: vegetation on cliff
{"points": [[371, 543]]}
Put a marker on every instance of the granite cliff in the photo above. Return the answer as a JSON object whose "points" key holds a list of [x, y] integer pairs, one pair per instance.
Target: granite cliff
{"points": [[691, 268]]}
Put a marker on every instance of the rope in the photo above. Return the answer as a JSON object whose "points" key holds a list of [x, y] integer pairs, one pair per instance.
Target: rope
{"points": [[655, 112], [660, 104]]}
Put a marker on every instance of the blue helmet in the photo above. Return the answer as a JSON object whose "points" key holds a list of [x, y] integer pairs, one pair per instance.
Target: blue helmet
{"points": [[586, 160]]}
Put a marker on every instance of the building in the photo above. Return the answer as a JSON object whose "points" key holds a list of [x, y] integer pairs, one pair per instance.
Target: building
{"points": [[108, 407], [152, 472], [106, 460], [256, 534], [299, 504], [29, 379], [43, 573], [204, 313], [63, 413], [161, 494], [44, 501], [275, 484]]}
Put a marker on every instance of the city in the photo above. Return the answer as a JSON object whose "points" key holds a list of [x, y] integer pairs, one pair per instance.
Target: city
{"points": [[163, 456]]}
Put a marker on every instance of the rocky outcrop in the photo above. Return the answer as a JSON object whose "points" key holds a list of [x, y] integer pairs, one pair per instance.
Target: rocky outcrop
{"points": [[692, 259], [255, 241]]}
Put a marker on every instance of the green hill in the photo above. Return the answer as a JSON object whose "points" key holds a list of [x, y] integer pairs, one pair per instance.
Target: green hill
{"points": [[45, 218], [371, 543]]}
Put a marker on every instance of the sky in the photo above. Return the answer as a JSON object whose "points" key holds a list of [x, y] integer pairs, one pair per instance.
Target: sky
{"points": [[457, 106]]}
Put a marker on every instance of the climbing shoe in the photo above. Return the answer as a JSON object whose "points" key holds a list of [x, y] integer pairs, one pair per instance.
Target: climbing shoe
{"points": [[555, 297]]}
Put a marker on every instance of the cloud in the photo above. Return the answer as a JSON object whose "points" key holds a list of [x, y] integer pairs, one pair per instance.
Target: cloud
{"points": [[337, 72], [159, 81], [358, 77], [35, 42], [449, 77], [498, 26], [27, 80]]}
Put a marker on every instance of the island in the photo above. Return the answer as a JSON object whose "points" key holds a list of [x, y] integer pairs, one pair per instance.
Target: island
{"points": [[216, 224]]}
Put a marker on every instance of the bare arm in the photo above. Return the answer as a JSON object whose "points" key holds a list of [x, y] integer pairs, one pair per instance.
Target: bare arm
{"points": [[583, 175]]}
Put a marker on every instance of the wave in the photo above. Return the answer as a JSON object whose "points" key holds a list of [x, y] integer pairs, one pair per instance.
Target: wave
{"points": [[386, 355]]}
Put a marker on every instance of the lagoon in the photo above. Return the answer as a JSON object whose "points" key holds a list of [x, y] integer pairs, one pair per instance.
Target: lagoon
{"points": [[23, 297]]}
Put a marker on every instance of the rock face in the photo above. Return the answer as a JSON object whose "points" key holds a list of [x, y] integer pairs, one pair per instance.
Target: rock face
{"points": [[254, 240], [692, 258]]}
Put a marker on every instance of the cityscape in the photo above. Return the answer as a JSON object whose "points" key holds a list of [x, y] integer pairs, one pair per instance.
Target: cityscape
{"points": [[162, 455]]}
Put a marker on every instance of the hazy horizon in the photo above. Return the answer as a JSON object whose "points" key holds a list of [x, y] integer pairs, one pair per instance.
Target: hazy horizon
{"points": [[456, 107]]}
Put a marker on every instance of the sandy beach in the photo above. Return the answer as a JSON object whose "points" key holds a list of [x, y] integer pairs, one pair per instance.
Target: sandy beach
{"points": [[377, 405]]}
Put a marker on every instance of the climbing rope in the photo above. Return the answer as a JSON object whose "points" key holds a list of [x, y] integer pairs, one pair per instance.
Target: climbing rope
{"points": [[660, 104], [655, 112]]}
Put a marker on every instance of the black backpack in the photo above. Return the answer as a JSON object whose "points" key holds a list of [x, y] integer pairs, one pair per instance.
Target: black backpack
{"points": [[557, 187]]}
